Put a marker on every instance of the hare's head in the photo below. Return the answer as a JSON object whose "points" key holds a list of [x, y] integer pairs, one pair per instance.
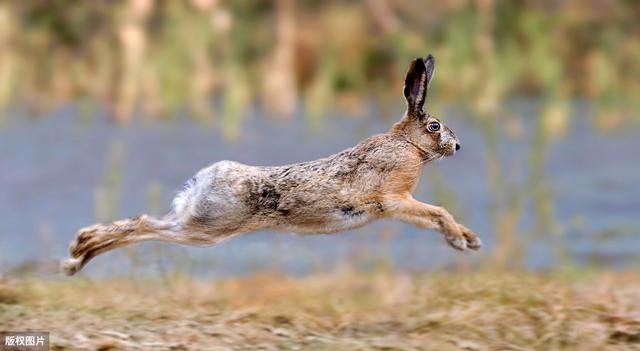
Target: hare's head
{"points": [[425, 130]]}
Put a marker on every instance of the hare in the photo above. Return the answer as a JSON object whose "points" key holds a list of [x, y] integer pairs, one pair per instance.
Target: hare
{"points": [[372, 180]]}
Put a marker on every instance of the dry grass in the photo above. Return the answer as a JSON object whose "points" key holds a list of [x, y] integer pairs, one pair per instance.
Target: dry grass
{"points": [[347, 311]]}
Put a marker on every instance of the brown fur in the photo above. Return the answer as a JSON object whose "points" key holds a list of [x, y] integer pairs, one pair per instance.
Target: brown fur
{"points": [[372, 180]]}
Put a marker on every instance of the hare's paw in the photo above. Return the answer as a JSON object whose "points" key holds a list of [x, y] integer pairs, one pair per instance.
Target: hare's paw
{"points": [[458, 242], [473, 241], [465, 241], [71, 266]]}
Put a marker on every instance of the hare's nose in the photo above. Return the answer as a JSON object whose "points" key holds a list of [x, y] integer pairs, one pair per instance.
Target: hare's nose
{"points": [[458, 146]]}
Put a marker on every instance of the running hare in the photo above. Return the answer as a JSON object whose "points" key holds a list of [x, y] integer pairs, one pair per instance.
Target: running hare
{"points": [[371, 180]]}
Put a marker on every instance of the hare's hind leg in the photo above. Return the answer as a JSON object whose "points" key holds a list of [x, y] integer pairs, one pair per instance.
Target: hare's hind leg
{"points": [[99, 238]]}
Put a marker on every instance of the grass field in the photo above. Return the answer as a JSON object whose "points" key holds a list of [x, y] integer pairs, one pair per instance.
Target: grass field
{"points": [[341, 311]]}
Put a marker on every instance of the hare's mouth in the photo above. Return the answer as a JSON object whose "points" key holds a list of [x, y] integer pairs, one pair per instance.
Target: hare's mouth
{"points": [[448, 150]]}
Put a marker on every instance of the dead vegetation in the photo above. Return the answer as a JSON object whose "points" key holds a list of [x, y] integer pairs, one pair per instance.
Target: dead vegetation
{"points": [[344, 311]]}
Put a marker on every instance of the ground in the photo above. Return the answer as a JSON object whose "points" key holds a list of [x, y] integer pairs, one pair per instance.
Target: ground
{"points": [[339, 311]]}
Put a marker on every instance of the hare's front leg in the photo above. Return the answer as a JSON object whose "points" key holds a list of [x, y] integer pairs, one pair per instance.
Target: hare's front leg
{"points": [[428, 216]]}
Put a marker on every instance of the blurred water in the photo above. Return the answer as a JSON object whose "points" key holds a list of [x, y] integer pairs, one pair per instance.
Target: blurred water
{"points": [[51, 167]]}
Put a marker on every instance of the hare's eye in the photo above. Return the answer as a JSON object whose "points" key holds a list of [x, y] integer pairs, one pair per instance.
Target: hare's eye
{"points": [[433, 126]]}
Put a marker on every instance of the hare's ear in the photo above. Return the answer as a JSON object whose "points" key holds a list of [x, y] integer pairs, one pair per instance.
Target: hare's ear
{"points": [[417, 81]]}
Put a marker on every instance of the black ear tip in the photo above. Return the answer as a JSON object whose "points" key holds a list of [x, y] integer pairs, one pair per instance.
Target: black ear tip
{"points": [[419, 63]]}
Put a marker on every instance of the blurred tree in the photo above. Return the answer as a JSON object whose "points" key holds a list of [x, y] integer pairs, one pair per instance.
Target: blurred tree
{"points": [[160, 55]]}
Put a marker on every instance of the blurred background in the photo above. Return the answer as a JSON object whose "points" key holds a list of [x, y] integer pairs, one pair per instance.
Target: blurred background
{"points": [[107, 107]]}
